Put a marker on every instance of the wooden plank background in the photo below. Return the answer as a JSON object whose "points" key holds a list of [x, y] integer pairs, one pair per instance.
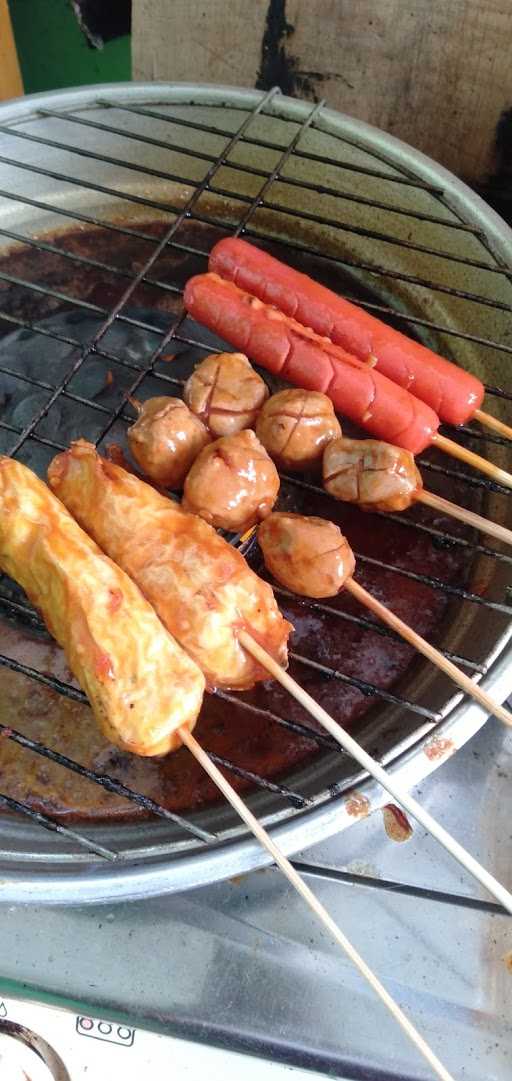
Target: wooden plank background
{"points": [[437, 74]]}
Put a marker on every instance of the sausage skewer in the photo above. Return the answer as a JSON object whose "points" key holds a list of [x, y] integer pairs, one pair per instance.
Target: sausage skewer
{"points": [[123, 513], [455, 395], [378, 476], [358, 390], [314, 904]]}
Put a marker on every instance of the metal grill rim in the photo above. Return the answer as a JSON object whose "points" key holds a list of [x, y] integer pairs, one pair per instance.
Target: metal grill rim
{"points": [[242, 227]]}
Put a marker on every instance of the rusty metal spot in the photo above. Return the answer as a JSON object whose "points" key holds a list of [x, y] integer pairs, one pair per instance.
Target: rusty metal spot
{"points": [[439, 748], [508, 961], [396, 823], [358, 806]]}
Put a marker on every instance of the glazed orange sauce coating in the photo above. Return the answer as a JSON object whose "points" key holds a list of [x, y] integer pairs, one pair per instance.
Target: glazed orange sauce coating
{"points": [[309, 556], [226, 393], [233, 484], [295, 426], [141, 685], [373, 474], [166, 439], [200, 586]]}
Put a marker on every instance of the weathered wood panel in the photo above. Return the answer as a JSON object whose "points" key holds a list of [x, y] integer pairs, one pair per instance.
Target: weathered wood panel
{"points": [[436, 74]]}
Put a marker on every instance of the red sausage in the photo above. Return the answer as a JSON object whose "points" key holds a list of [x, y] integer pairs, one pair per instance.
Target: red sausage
{"points": [[296, 353], [453, 393]]}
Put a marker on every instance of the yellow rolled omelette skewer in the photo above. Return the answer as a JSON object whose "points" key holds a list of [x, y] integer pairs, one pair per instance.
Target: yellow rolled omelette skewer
{"points": [[141, 684]]}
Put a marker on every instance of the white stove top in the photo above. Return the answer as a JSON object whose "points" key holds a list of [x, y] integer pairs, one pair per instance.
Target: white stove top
{"points": [[243, 966], [48, 1044]]}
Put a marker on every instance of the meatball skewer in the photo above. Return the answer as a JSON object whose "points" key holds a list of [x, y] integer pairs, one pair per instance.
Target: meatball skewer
{"points": [[295, 426], [225, 393], [380, 477], [233, 484], [311, 556], [166, 439]]}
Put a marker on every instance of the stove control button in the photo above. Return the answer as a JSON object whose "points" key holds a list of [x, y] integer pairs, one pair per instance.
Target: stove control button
{"points": [[105, 1030]]}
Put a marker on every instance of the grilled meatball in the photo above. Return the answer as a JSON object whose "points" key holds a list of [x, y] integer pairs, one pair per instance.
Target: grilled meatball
{"points": [[295, 426], [373, 474], [226, 393], [307, 555], [233, 484], [166, 439]]}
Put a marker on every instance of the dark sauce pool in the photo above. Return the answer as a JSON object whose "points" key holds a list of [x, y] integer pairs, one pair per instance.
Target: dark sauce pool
{"points": [[250, 738]]}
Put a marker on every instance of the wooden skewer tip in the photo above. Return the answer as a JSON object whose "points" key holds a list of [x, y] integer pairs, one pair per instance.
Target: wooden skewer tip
{"points": [[476, 521], [349, 744], [312, 901], [449, 446], [493, 423]]}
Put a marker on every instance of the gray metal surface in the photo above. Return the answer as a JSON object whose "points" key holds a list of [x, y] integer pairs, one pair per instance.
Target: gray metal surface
{"points": [[37, 867], [243, 963]]}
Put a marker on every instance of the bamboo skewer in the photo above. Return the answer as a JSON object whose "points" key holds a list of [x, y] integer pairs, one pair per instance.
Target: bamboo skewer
{"points": [[484, 525], [430, 652], [492, 422], [349, 744], [312, 901], [449, 446]]}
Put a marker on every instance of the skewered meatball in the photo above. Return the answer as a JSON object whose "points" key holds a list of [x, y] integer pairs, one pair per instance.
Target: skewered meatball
{"points": [[373, 474], [295, 426], [226, 393], [307, 555], [233, 484], [166, 439]]}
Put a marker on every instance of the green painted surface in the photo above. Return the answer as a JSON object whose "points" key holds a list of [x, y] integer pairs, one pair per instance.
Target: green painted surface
{"points": [[53, 51]]}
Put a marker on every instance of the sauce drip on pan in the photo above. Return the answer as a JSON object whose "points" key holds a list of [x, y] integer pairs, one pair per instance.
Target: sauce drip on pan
{"points": [[245, 736]]}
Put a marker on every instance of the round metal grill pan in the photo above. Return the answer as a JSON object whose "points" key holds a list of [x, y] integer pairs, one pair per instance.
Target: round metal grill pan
{"points": [[166, 170]]}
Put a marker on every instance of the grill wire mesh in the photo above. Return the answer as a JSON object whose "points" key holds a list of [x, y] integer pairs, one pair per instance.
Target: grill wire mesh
{"points": [[18, 438]]}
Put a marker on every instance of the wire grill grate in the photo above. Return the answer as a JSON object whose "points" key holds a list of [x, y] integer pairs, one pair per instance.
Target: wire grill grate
{"points": [[252, 215]]}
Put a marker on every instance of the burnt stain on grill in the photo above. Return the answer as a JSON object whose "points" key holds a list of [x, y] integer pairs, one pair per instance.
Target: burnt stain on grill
{"points": [[279, 67], [251, 739]]}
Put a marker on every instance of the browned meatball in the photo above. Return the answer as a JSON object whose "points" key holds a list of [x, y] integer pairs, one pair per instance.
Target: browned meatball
{"points": [[373, 474], [295, 426], [166, 439], [233, 484], [307, 555], [226, 393]]}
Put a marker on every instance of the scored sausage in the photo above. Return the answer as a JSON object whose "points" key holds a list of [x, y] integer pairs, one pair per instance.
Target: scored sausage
{"points": [[200, 586], [453, 393], [141, 685], [296, 353]]}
